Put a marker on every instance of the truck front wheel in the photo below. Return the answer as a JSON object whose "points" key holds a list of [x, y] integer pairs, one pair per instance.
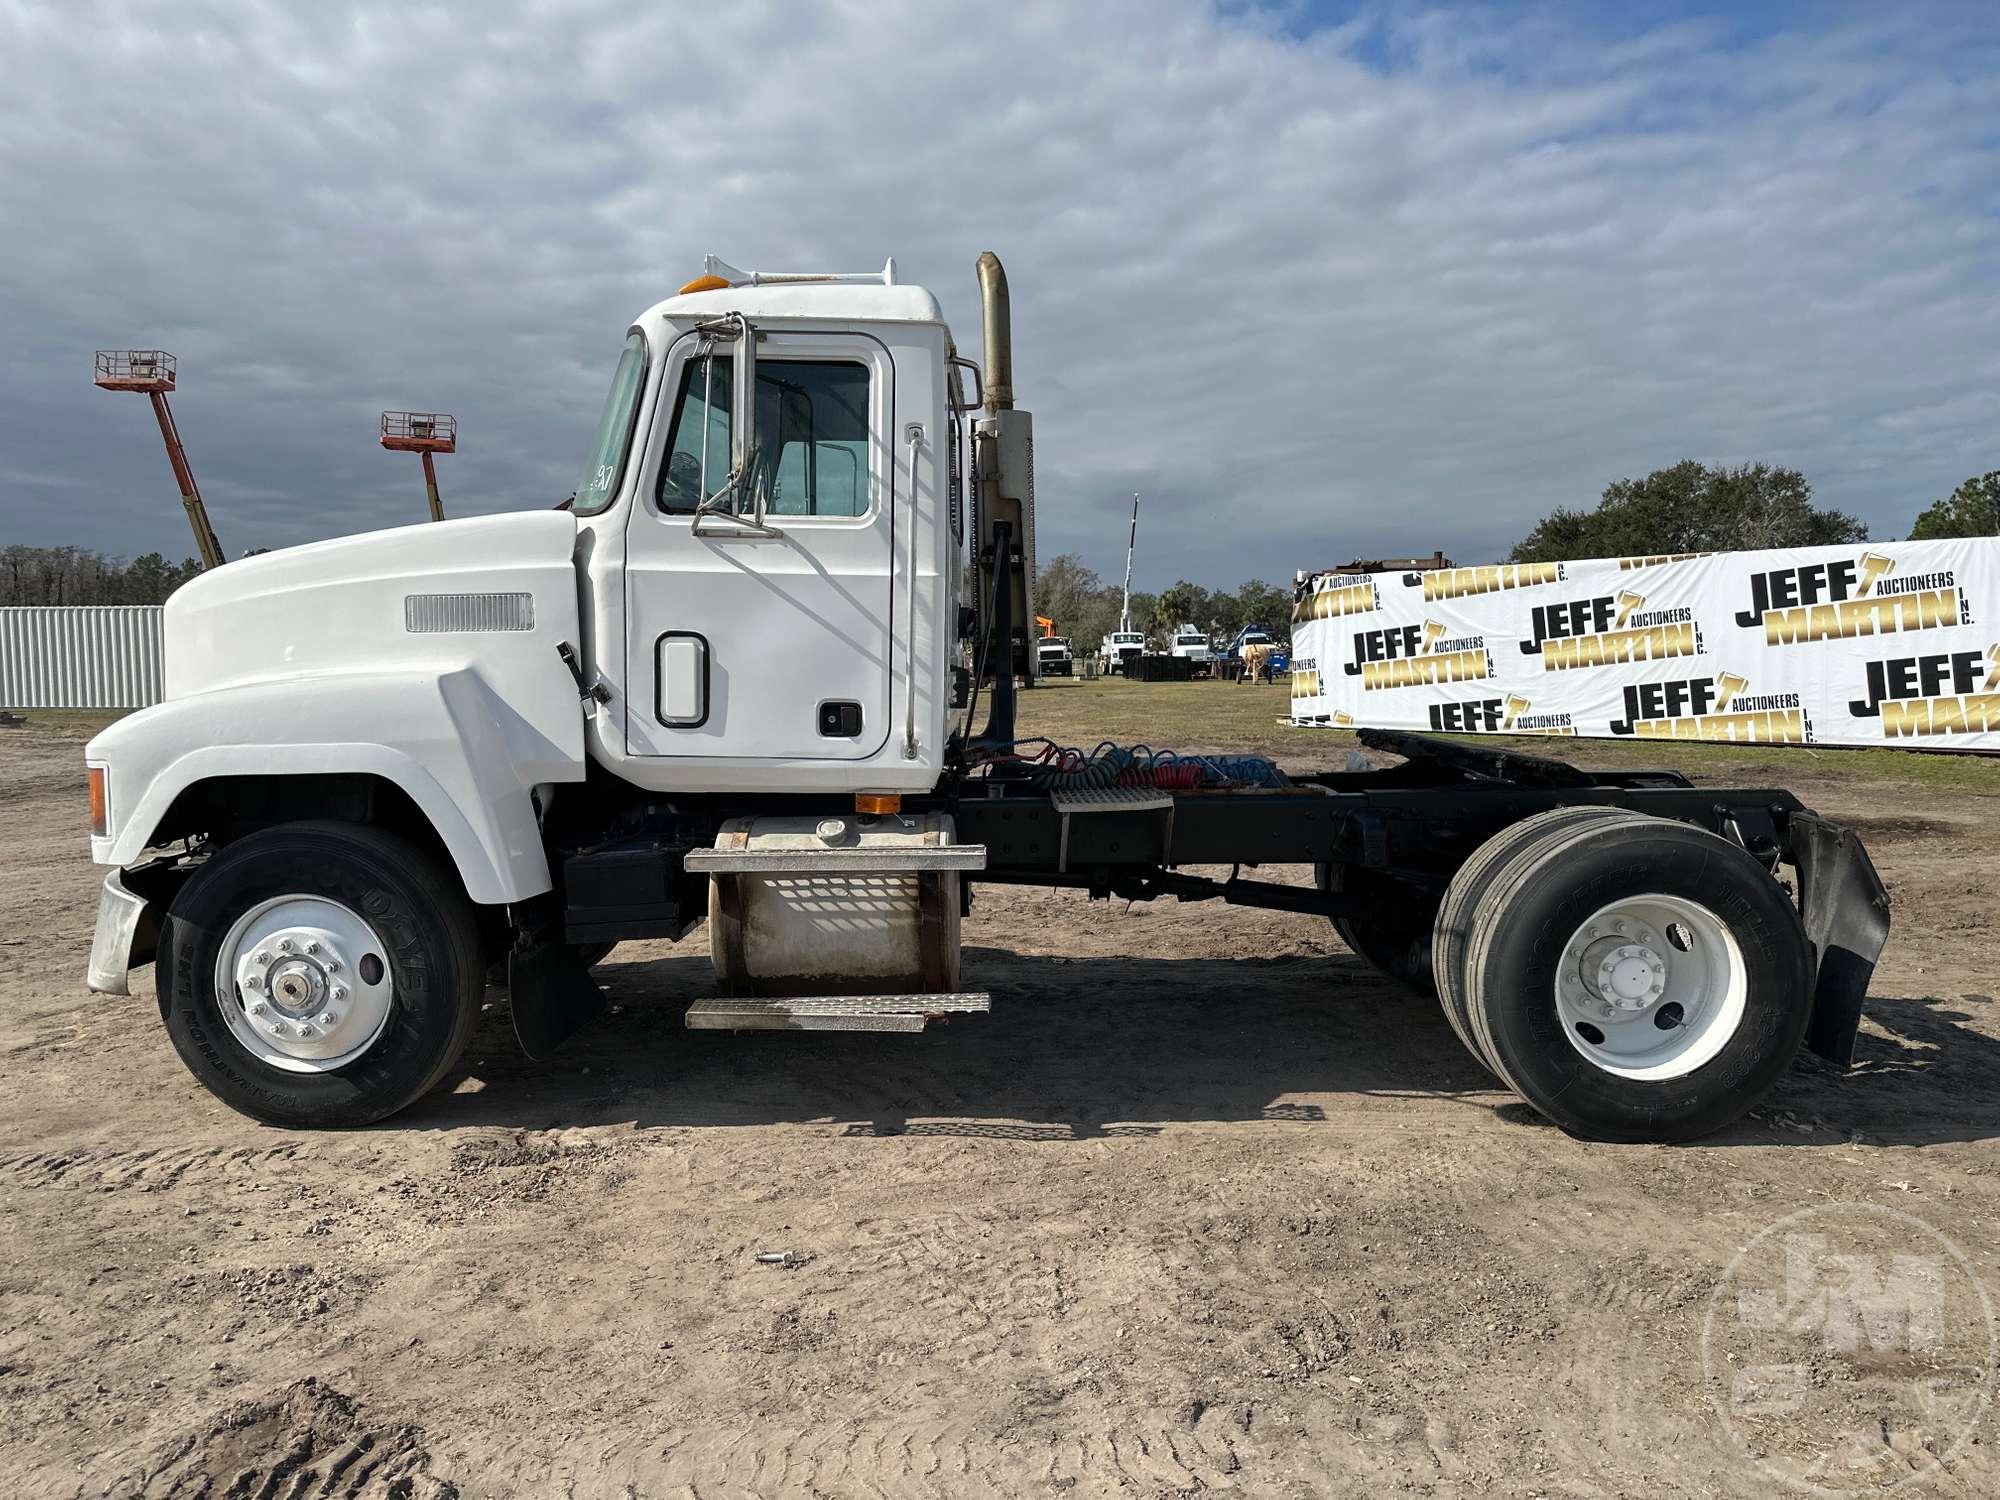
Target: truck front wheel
{"points": [[1637, 980], [320, 974]]}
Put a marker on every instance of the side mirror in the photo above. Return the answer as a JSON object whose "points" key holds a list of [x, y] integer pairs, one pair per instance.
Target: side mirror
{"points": [[745, 483], [743, 406]]}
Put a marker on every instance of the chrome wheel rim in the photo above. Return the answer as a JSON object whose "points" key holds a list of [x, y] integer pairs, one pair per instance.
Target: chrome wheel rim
{"points": [[304, 984], [1651, 987]]}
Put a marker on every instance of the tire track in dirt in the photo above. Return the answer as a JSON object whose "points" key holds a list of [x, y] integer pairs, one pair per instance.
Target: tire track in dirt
{"points": [[939, 1453], [147, 1171]]}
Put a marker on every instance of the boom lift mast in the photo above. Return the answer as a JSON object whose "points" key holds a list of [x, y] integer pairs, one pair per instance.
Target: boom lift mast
{"points": [[1131, 545], [422, 433], [152, 373]]}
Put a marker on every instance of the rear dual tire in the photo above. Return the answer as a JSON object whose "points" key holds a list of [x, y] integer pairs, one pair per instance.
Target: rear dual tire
{"points": [[1394, 935], [1633, 979]]}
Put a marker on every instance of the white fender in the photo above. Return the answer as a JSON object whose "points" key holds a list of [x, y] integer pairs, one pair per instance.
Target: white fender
{"points": [[465, 756]]}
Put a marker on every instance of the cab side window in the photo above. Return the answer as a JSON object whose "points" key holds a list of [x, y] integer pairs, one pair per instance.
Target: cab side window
{"points": [[812, 449]]}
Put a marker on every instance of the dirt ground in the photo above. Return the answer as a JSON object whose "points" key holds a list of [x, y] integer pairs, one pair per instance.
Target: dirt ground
{"points": [[1203, 1205]]}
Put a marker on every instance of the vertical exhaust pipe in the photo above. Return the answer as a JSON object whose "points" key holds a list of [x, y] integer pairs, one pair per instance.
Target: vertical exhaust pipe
{"points": [[996, 384]]}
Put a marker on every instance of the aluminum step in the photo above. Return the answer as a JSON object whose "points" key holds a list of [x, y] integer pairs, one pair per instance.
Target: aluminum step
{"points": [[878, 860], [834, 1012]]}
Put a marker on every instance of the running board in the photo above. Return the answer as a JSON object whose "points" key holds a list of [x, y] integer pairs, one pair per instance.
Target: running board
{"points": [[834, 1012]]}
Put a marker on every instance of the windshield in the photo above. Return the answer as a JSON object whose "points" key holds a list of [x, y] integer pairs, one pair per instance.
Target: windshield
{"points": [[614, 430], [1129, 638], [1192, 640]]}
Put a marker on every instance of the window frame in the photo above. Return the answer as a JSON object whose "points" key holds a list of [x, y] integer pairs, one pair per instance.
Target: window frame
{"points": [[639, 406], [851, 347]]}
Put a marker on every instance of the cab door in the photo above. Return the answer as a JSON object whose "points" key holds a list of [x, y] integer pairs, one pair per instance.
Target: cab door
{"points": [[771, 641]]}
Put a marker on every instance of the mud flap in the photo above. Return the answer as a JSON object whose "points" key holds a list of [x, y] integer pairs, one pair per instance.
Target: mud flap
{"points": [[551, 994], [1846, 914]]}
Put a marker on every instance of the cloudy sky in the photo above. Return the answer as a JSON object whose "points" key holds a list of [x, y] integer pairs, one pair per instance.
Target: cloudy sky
{"points": [[1318, 280]]}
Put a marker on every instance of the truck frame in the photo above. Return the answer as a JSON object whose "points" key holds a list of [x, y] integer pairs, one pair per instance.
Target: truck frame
{"points": [[740, 680]]}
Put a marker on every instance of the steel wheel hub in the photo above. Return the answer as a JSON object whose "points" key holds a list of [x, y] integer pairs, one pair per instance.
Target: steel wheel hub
{"points": [[1651, 987], [304, 983]]}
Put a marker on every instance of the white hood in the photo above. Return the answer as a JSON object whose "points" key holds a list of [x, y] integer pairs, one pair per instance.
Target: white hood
{"points": [[485, 584]]}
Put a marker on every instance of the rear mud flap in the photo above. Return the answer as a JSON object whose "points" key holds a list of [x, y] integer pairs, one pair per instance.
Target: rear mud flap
{"points": [[551, 994], [1846, 914]]}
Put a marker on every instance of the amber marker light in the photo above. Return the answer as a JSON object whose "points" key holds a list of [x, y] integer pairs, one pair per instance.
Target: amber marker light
{"points": [[100, 804]]}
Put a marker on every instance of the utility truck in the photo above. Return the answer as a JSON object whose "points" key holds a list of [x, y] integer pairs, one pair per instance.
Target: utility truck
{"points": [[1190, 643], [1116, 650], [761, 673], [1053, 656]]}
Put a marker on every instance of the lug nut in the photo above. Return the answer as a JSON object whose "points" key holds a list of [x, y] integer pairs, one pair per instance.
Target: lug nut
{"points": [[263, 957], [312, 947], [332, 964], [259, 1009], [305, 1029], [340, 992], [284, 945], [251, 982], [326, 1018]]}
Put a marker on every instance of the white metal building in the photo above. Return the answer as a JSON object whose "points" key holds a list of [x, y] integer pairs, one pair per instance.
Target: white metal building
{"points": [[90, 656]]}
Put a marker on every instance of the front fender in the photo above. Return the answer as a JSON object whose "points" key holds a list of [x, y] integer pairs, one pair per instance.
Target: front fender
{"points": [[460, 752]]}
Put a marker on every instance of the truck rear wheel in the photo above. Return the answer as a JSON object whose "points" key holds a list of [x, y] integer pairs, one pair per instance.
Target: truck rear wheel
{"points": [[1637, 980], [320, 974], [1452, 931], [1396, 937]]}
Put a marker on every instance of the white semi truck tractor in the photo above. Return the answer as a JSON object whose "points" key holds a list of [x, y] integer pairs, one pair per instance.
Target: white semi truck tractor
{"points": [[730, 683]]}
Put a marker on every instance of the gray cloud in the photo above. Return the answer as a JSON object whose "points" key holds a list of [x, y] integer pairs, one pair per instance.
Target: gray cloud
{"points": [[1398, 285]]}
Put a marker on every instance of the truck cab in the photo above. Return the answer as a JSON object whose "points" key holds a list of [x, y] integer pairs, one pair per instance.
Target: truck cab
{"points": [[1191, 644], [1055, 657], [1118, 648]]}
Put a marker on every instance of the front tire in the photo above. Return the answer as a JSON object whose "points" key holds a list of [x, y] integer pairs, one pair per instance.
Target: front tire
{"points": [[320, 975], [1638, 980]]}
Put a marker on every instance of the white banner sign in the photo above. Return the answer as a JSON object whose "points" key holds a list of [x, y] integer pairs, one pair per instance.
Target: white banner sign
{"points": [[1888, 643]]}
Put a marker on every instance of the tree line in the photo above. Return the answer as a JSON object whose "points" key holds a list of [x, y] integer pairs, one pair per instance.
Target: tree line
{"points": [[1696, 507], [1085, 608], [81, 575]]}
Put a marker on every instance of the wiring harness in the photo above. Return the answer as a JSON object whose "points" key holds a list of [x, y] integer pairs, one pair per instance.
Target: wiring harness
{"points": [[1055, 767]]}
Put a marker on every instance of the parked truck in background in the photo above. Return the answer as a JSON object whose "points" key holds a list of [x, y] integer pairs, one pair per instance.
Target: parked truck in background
{"points": [[729, 685], [1191, 645], [1232, 662], [1055, 656], [1118, 648]]}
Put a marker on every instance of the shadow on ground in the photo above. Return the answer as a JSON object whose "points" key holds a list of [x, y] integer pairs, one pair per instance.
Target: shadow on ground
{"points": [[1106, 1047]]}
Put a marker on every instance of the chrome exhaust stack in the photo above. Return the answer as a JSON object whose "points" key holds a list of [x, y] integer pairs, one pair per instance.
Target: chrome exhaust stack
{"points": [[1003, 514], [996, 379]]}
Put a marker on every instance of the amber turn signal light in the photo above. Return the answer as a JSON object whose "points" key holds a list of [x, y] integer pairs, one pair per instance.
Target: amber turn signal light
{"points": [[100, 805], [878, 802]]}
